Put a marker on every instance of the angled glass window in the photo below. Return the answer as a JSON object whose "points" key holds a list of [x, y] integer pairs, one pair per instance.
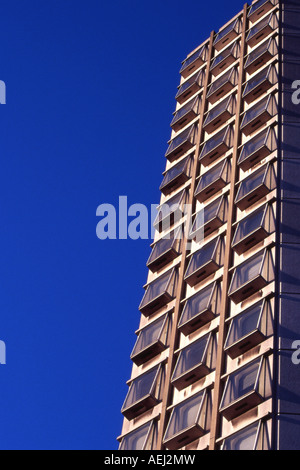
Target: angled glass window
{"points": [[260, 8], [213, 180], [258, 115], [260, 83], [210, 218], [227, 34], [205, 262], [187, 422], [254, 437], [200, 309], [258, 148], [176, 176], [262, 29], [246, 388], [143, 394], [253, 229], [222, 85], [186, 114], [170, 212], [216, 146], [142, 438], [193, 62], [256, 186], [194, 362], [251, 276], [225, 58], [249, 328], [182, 143], [164, 251], [261, 55], [159, 293], [151, 341], [218, 115], [190, 87]]}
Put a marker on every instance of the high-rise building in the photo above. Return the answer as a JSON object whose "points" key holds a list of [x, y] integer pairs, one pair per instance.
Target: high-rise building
{"points": [[215, 364]]}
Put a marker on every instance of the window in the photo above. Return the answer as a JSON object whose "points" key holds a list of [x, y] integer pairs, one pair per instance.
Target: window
{"points": [[251, 276], [260, 83], [182, 143], [190, 87], [262, 29], [164, 251], [193, 62], [253, 229], [176, 176], [142, 438], [200, 309], [213, 181], [254, 437], [256, 186], [209, 219], [170, 212], [227, 34], [246, 388], [186, 114], [225, 58], [194, 362], [258, 148], [151, 341], [222, 85], [216, 146], [143, 394], [159, 293], [261, 55], [218, 115], [187, 422], [205, 262], [258, 115], [249, 328], [260, 8]]}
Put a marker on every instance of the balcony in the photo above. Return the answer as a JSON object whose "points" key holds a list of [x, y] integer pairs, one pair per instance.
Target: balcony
{"points": [[246, 389], [192, 63], [249, 329], [205, 262], [200, 309], [143, 394], [213, 181], [182, 143], [190, 87], [255, 117], [165, 251], [260, 8], [254, 437], [258, 148], [225, 58], [228, 34], [255, 187], [222, 86], [261, 55], [194, 362], [187, 422], [186, 114], [176, 176], [151, 341], [142, 438], [260, 84], [253, 229], [216, 146], [209, 219], [170, 212], [220, 114], [159, 293], [262, 29], [251, 276]]}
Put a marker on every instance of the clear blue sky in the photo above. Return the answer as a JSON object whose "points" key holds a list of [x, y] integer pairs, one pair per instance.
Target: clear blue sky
{"points": [[90, 92]]}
